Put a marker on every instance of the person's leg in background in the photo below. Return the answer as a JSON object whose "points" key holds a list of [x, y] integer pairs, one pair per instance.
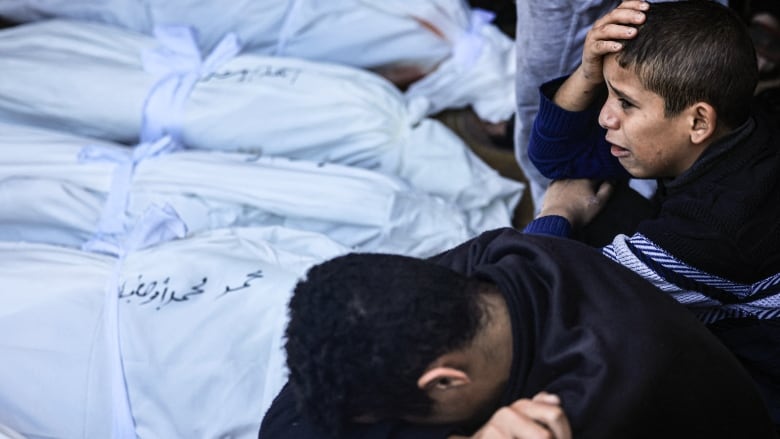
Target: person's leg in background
{"points": [[549, 40]]}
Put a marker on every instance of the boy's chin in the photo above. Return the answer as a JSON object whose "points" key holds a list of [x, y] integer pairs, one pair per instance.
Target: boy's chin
{"points": [[635, 171]]}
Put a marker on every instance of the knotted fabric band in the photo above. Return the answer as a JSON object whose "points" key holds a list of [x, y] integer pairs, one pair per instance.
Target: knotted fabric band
{"points": [[178, 65], [112, 219]]}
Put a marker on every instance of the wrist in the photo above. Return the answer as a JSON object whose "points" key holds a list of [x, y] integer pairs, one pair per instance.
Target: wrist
{"points": [[578, 91], [549, 225], [554, 211], [589, 79]]}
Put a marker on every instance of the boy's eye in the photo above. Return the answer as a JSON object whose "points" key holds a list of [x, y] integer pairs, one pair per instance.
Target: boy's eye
{"points": [[624, 104]]}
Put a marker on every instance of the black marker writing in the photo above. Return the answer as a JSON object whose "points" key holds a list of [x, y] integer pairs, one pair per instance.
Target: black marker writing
{"points": [[289, 74], [161, 294], [249, 278]]}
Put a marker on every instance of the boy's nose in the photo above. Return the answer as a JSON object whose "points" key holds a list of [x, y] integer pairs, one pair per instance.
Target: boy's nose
{"points": [[607, 118]]}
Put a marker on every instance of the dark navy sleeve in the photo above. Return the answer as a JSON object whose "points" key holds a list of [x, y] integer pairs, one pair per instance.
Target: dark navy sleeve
{"points": [[566, 144], [282, 421], [553, 225]]}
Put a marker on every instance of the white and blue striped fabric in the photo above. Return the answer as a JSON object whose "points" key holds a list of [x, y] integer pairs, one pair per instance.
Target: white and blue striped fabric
{"points": [[709, 297]]}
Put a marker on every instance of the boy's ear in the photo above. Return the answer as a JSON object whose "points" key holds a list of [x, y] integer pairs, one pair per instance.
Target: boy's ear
{"points": [[442, 378], [703, 122]]}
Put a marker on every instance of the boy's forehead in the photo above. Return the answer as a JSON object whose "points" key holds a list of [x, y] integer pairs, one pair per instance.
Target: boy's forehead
{"points": [[615, 74], [625, 81]]}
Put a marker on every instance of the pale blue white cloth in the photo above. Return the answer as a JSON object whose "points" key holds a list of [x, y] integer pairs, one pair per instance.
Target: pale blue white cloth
{"points": [[51, 196], [373, 34], [113, 219], [178, 302], [178, 65], [254, 104]]}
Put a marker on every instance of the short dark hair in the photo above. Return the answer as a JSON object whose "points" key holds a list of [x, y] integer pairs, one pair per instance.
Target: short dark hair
{"points": [[691, 51], [364, 327]]}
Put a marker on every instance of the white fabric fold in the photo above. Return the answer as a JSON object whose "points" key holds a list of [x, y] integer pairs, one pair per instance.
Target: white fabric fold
{"points": [[286, 29], [186, 308], [375, 34], [49, 195], [468, 45], [178, 64], [262, 105], [480, 73]]}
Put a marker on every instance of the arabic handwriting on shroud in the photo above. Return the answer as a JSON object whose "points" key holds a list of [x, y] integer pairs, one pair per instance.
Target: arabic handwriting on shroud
{"points": [[161, 293]]}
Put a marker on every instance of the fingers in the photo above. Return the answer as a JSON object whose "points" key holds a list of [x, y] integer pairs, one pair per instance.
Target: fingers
{"points": [[511, 422], [528, 419], [628, 14], [604, 192], [578, 200], [550, 416], [639, 5], [619, 24], [537, 418], [547, 398], [607, 34]]}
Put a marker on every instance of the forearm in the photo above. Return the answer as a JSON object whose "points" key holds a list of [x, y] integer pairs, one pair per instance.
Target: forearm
{"points": [[579, 91], [560, 146], [570, 144]]}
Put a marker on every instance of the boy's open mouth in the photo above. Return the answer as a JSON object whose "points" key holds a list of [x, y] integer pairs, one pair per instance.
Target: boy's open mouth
{"points": [[619, 151]]}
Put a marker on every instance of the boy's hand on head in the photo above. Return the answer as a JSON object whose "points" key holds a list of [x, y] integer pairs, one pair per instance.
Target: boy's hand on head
{"points": [[577, 200], [581, 88], [537, 418], [603, 38]]}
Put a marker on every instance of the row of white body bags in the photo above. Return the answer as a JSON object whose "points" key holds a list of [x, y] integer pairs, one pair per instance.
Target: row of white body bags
{"points": [[467, 60], [89, 79], [200, 324], [53, 188]]}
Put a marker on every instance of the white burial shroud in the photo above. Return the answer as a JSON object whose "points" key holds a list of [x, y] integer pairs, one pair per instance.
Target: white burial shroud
{"points": [[468, 60], [48, 195], [90, 79], [200, 323]]}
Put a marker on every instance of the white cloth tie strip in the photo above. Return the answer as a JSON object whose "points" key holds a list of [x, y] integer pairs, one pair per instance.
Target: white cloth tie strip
{"points": [[253, 104], [112, 218], [179, 65], [50, 196], [156, 226], [374, 34]]}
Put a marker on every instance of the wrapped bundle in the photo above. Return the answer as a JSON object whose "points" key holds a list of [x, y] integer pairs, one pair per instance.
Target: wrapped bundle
{"points": [[465, 59], [51, 195], [199, 322], [90, 79]]}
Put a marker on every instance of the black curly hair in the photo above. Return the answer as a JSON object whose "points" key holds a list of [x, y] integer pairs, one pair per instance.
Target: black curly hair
{"points": [[364, 327]]}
